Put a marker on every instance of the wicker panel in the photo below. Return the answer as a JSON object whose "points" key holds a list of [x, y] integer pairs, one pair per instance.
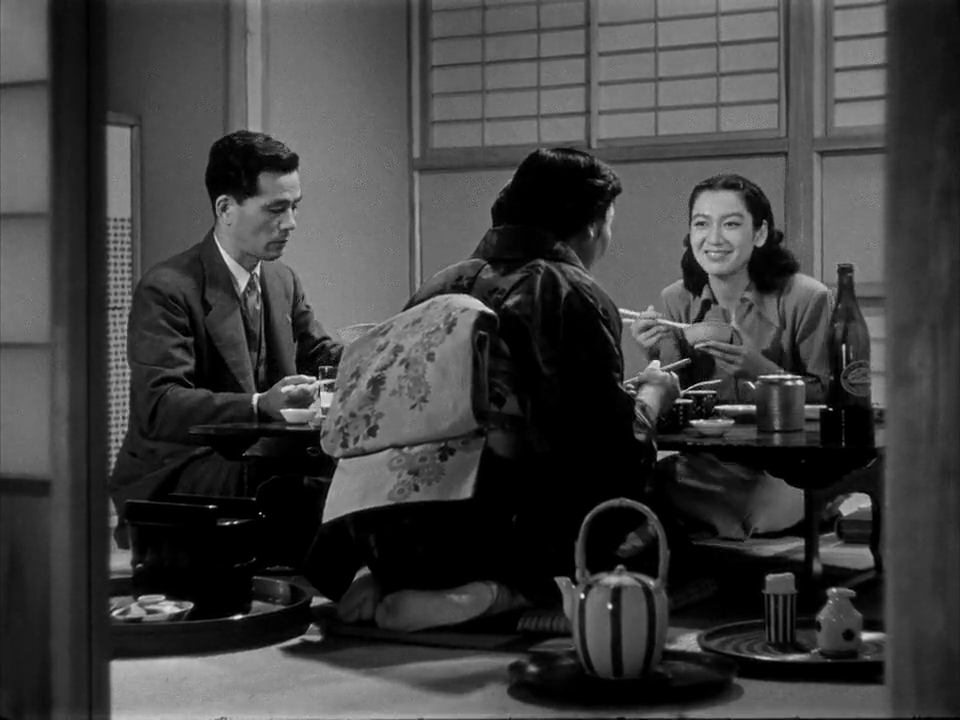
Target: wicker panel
{"points": [[120, 295]]}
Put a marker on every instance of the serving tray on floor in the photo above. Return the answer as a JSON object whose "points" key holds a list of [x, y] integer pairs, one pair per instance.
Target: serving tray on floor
{"points": [[681, 677], [280, 610], [745, 642]]}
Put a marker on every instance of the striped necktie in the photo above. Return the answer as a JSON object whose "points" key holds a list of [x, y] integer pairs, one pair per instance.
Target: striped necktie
{"points": [[250, 305]]}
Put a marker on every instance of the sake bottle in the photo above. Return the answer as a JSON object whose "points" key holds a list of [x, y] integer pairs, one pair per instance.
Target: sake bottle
{"points": [[839, 625], [848, 345]]}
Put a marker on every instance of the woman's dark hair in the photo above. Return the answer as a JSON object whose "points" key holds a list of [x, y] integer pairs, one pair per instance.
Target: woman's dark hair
{"points": [[236, 161], [770, 264], [558, 190]]}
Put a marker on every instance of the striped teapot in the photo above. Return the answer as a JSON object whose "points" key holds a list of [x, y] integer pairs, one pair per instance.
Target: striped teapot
{"points": [[619, 618]]}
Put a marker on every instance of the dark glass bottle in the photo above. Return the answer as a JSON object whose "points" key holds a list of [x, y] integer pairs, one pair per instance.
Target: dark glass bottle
{"points": [[849, 348]]}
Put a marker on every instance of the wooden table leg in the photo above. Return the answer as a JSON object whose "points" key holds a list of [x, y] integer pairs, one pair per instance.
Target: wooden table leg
{"points": [[812, 566], [867, 480]]}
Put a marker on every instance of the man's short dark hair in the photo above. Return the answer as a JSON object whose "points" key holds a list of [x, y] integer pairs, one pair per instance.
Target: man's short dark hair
{"points": [[558, 190], [236, 161]]}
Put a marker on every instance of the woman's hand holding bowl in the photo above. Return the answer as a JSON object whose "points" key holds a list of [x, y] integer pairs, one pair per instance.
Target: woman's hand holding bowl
{"points": [[741, 361]]}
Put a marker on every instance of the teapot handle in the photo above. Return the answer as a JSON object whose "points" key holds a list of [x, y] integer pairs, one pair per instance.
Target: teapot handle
{"points": [[581, 554]]}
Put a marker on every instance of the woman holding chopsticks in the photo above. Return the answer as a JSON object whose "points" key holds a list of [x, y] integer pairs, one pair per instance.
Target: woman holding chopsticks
{"points": [[769, 318]]}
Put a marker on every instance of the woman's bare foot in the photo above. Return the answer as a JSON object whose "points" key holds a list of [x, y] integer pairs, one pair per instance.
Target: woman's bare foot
{"points": [[412, 610], [359, 602]]}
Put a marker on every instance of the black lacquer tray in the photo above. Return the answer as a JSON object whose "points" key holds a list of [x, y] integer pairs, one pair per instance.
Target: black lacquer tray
{"points": [[745, 643], [681, 677], [280, 610]]}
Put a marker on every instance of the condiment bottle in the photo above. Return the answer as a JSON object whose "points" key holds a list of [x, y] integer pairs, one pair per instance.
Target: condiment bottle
{"points": [[839, 625]]}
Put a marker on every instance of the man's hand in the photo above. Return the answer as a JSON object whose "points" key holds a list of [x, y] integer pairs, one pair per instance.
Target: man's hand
{"points": [[293, 391], [741, 361], [657, 389]]}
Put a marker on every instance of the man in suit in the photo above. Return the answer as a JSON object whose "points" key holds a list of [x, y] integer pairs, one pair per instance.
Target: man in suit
{"points": [[221, 332]]}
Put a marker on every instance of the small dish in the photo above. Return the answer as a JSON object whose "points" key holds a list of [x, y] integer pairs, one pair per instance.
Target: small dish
{"points": [[152, 608], [712, 427], [298, 416], [748, 413]]}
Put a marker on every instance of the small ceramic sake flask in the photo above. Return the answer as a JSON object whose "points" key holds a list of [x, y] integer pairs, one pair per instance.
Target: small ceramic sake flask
{"points": [[839, 625]]}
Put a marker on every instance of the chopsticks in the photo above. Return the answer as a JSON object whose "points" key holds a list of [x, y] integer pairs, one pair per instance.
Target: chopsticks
{"points": [[676, 365], [704, 383], [631, 315], [666, 368], [671, 323]]}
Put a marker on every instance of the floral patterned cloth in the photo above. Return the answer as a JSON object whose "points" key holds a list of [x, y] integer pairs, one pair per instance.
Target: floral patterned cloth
{"points": [[414, 406], [445, 470]]}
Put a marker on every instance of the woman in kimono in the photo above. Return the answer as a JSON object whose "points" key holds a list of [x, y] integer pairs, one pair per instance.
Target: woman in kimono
{"points": [[588, 437]]}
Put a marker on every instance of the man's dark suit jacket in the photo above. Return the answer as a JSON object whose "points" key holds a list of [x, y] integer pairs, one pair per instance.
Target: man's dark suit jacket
{"points": [[189, 362]]}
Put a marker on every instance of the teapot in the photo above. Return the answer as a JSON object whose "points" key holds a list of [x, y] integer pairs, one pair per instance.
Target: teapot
{"points": [[619, 618]]}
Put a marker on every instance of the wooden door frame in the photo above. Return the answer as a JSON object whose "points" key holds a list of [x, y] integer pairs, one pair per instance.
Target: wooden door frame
{"points": [[79, 547]]}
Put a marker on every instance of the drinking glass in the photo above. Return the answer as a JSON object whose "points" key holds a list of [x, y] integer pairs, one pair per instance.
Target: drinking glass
{"points": [[327, 377]]}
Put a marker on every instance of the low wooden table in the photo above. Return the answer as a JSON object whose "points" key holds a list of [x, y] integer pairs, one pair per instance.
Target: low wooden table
{"points": [[281, 447], [283, 459], [232, 440], [822, 471]]}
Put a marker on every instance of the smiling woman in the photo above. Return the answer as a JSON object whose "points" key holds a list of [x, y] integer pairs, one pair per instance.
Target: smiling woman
{"points": [[737, 275], [736, 271]]}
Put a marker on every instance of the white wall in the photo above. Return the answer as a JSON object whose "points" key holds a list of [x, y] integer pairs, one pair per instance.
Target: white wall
{"points": [[166, 62], [335, 90]]}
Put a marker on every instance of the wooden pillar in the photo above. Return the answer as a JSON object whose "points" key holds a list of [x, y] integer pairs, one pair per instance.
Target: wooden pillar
{"points": [[923, 356], [79, 528]]}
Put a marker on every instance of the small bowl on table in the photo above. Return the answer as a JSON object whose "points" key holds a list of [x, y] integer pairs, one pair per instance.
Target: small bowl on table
{"points": [[704, 402], [712, 427], [298, 416], [707, 330]]}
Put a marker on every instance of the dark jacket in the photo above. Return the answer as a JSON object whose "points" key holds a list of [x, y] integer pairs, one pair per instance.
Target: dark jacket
{"points": [[563, 335], [189, 362], [563, 332]]}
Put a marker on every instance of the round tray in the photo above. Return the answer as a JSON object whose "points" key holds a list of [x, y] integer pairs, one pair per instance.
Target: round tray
{"points": [[745, 642], [280, 611], [681, 676]]}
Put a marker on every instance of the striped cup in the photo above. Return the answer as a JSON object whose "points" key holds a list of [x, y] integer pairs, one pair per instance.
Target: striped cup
{"points": [[780, 609]]}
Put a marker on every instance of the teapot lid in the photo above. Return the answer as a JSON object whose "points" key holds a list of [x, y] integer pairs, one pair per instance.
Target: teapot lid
{"points": [[619, 577]]}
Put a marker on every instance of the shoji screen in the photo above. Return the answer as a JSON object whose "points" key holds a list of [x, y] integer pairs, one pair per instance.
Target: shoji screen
{"points": [[689, 67], [527, 72], [26, 359], [856, 64], [52, 519], [503, 72]]}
